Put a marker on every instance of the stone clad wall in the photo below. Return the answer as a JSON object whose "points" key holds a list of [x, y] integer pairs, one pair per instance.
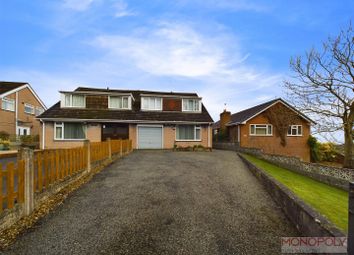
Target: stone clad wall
{"points": [[335, 176]]}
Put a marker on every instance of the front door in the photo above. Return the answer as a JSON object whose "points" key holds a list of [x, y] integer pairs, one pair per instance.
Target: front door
{"points": [[23, 130], [115, 131]]}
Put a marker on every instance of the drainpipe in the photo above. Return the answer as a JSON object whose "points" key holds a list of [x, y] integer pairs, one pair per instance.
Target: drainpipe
{"points": [[238, 134], [209, 136], [16, 113], [43, 134]]}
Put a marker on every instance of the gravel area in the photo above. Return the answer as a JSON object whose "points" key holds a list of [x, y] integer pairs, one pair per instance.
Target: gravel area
{"points": [[163, 202]]}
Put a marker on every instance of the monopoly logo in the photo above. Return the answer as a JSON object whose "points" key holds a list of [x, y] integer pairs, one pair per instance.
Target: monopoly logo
{"points": [[314, 244]]}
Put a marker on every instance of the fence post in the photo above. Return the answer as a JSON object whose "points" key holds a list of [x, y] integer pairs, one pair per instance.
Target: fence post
{"points": [[351, 219], [26, 154], [109, 148], [121, 148], [87, 145]]}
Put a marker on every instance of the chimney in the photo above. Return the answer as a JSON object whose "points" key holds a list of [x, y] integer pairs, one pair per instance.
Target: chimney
{"points": [[225, 117]]}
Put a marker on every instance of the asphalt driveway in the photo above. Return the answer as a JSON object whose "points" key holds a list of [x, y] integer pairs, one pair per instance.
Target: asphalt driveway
{"points": [[162, 202]]}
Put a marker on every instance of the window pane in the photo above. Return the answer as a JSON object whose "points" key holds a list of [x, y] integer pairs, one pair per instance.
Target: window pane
{"points": [[293, 130], [67, 100], [125, 102], [261, 131], [299, 130], [197, 133], [29, 109], [289, 130], [74, 131], [113, 102], [158, 103], [58, 132], [78, 101], [252, 130], [8, 104], [269, 129], [185, 132], [145, 103]]}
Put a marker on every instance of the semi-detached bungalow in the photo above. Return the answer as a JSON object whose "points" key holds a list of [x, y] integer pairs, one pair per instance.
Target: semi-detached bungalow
{"points": [[152, 120]]}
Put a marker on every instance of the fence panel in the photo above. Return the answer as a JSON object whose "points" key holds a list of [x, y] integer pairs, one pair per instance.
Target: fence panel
{"points": [[50, 167], [13, 190]]}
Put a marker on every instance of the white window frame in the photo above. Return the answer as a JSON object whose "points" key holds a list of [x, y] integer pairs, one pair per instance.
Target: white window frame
{"points": [[195, 134], [117, 108], [62, 126], [29, 106], [40, 109], [63, 101], [195, 99], [148, 109], [259, 126], [296, 128], [8, 101]]}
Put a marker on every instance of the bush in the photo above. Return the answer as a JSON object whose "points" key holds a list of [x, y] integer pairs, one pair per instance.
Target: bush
{"points": [[327, 152], [314, 149], [4, 135]]}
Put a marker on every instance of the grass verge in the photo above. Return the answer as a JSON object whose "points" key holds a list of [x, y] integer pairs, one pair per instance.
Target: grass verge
{"points": [[331, 202]]}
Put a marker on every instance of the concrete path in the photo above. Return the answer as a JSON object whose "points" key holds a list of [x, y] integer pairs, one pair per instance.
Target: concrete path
{"points": [[156, 202]]}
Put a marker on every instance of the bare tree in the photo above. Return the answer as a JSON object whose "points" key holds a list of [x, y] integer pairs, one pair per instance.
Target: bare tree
{"points": [[323, 85]]}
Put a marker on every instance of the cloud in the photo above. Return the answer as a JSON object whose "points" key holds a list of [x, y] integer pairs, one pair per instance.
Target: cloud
{"points": [[122, 10], [77, 5], [177, 49], [230, 5]]}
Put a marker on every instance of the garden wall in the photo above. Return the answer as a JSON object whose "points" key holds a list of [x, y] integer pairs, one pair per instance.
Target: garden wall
{"points": [[334, 176], [307, 221]]}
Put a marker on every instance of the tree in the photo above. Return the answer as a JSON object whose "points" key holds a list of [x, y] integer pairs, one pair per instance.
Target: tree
{"points": [[323, 85]]}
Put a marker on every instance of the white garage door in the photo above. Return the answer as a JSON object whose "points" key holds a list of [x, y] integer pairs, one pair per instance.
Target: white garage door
{"points": [[149, 137]]}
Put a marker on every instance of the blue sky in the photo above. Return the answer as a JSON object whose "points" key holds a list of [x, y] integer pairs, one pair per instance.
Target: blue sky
{"points": [[233, 52]]}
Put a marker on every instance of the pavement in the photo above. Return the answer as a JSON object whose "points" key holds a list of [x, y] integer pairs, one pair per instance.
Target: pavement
{"points": [[163, 202]]}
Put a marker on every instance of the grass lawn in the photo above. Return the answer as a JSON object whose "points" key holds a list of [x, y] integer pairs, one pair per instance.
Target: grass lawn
{"points": [[329, 201]]}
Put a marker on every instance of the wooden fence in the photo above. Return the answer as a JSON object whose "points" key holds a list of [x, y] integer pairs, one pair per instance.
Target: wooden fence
{"points": [[11, 184], [53, 166]]}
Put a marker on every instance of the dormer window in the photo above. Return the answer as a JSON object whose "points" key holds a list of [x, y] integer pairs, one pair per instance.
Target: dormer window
{"points": [[72, 100], [191, 105], [119, 102], [151, 103]]}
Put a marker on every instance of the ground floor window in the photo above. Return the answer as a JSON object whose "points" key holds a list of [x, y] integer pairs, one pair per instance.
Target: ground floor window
{"points": [[68, 130], [261, 129], [188, 133]]}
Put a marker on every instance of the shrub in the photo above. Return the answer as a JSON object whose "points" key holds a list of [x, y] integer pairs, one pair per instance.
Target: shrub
{"points": [[4, 135], [327, 152], [314, 148]]}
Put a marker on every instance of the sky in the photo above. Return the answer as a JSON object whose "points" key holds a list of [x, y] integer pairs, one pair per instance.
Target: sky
{"points": [[232, 52]]}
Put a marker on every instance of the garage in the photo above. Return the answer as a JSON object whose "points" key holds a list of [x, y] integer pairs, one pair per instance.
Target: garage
{"points": [[150, 137]]}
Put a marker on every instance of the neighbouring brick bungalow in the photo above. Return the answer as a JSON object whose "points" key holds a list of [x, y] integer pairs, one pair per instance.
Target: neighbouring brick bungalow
{"points": [[252, 128], [19, 107], [152, 120]]}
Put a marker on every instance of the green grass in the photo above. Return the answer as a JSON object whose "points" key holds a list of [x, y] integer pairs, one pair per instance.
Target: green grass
{"points": [[327, 200]]}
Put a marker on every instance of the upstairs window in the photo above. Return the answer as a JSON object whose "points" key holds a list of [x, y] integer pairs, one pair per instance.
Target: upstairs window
{"points": [[151, 103], [29, 109], [188, 133], [8, 104], [295, 130], [39, 111], [119, 102], [74, 100], [261, 129], [191, 105]]}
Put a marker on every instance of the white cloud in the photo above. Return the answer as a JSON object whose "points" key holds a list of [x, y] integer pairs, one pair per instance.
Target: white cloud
{"points": [[175, 49], [230, 5], [77, 5], [122, 10]]}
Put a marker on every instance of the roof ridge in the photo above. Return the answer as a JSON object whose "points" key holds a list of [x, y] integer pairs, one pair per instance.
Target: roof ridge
{"points": [[136, 90]]}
